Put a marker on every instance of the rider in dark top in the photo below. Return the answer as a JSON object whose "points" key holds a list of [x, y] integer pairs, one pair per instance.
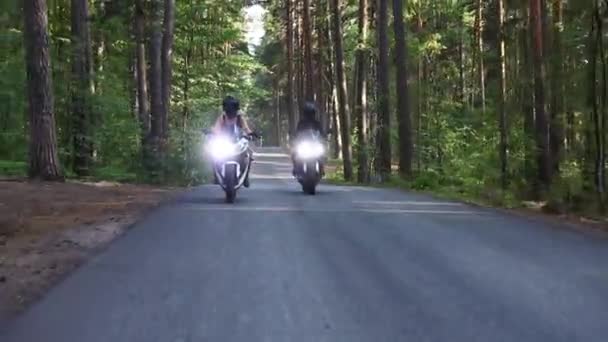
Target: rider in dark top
{"points": [[308, 121]]}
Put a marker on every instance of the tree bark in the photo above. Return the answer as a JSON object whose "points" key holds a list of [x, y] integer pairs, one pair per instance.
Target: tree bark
{"points": [[383, 160], [527, 103], [166, 63], [481, 72], [321, 86], [557, 87], [343, 110], [43, 161], [277, 116], [290, 91], [81, 91], [598, 113], [141, 69], [502, 102], [404, 118], [542, 124], [309, 89], [153, 142], [299, 56], [360, 110]]}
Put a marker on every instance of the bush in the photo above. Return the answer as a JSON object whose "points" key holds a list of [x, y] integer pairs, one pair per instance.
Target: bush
{"points": [[13, 168]]}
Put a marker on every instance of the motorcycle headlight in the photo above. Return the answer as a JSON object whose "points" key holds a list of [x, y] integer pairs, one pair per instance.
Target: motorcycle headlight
{"points": [[220, 147], [309, 150]]}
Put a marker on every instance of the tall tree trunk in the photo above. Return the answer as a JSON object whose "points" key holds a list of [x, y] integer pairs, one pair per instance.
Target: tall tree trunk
{"points": [[383, 160], [360, 109], [166, 63], [141, 69], [299, 55], [419, 96], [81, 87], [527, 104], [343, 110], [155, 80], [404, 118], [557, 90], [277, 116], [321, 87], [462, 98], [542, 124], [309, 90], [481, 72], [43, 161], [502, 102], [333, 97], [598, 114], [290, 76]]}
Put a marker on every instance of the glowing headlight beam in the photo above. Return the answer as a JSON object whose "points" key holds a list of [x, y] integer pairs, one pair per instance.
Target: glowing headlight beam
{"points": [[309, 150], [220, 147]]}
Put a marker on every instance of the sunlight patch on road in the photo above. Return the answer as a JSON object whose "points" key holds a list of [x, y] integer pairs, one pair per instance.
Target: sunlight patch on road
{"points": [[270, 155], [272, 163], [278, 177]]}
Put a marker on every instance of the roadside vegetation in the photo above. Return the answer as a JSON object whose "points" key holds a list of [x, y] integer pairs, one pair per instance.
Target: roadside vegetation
{"points": [[503, 102]]}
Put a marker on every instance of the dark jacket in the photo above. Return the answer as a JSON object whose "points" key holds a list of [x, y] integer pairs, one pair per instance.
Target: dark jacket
{"points": [[305, 124]]}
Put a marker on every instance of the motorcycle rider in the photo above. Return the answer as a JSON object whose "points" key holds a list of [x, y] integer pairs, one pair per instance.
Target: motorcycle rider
{"points": [[231, 116], [308, 121]]}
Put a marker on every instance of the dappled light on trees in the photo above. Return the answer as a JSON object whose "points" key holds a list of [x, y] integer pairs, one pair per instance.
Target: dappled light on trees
{"points": [[499, 100]]}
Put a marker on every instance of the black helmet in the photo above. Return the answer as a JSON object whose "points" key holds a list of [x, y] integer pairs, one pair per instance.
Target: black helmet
{"points": [[309, 110], [231, 106]]}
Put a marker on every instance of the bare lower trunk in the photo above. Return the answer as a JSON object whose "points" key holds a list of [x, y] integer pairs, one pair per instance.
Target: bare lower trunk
{"points": [[290, 91], [383, 140], [360, 109], [481, 72], [43, 161], [153, 140], [141, 70], [343, 110], [406, 148], [557, 90], [502, 115], [81, 87], [166, 64], [542, 124], [309, 88]]}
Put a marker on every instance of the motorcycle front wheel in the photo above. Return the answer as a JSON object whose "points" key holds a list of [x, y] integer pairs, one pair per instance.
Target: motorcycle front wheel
{"points": [[230, 182]]}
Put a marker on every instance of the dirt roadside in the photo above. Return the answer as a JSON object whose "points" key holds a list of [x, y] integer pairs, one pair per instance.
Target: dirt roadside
{"points": [[49, 229]]}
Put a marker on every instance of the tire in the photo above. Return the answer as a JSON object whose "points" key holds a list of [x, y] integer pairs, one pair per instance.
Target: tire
{"points": [[230, 182], [309, 189]]}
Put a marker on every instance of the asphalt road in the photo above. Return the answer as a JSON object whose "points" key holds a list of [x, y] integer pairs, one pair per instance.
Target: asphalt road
{"points": [[350, 264]]}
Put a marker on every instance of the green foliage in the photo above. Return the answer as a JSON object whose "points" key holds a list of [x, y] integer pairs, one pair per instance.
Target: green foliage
{"points": [[13, 168], [210, 60]]}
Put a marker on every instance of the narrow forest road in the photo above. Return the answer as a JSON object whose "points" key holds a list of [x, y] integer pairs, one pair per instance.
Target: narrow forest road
{"points": [[350, 264]]}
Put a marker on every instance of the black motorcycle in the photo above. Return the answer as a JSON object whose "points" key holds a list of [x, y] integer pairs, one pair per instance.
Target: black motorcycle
{"points": [[308, 157]]}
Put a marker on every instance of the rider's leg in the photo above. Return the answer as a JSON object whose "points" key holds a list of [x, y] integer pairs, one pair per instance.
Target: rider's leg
{"points": [[246, 159], [215, 180]]}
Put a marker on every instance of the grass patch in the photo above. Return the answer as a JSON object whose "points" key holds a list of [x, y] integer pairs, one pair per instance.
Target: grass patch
{"points": [[12, 168], [114, 174], [428, 184]]}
